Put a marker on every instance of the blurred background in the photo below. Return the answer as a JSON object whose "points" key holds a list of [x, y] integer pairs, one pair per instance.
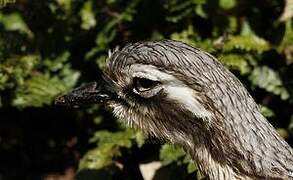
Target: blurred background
{"points": [[49, 47]]}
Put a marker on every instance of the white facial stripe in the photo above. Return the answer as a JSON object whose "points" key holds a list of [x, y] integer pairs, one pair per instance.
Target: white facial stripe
{"points": [[175, 89], [150, 72], [186, 97]]}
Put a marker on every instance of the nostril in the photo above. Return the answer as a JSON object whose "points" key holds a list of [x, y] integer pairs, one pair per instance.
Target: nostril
{"points": [[60, 100]]}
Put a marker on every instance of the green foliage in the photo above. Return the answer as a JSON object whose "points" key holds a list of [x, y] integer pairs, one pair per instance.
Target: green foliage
{"points": [[31, 87], [88, 16], [43, 57], [109, 145], [14, 70], [246, 43], [236, 62], [41, 89], [14, 22], [286, 46], [266, 78], [180, 10], [227, 4], [171, 154], [3, 3], [267, 112]]}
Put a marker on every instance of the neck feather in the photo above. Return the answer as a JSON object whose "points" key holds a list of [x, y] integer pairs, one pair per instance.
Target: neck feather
{"points": [[248, 150]]}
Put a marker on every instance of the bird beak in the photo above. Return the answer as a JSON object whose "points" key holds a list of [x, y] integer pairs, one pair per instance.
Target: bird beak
{"points": [[93, 92]]}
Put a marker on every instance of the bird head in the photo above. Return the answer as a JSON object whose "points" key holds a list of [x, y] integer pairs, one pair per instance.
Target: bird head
{"points": [[154, 86]]}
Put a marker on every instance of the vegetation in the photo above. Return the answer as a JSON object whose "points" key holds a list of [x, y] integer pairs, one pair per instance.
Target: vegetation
{"points": [[49, 47]]}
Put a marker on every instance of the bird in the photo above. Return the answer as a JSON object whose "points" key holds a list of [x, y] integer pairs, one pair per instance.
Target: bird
{"points": [[185, 96]]}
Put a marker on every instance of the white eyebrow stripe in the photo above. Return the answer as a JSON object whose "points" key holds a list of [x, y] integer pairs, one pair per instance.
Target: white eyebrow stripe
{"points": [[151, 72], [145, 75]]}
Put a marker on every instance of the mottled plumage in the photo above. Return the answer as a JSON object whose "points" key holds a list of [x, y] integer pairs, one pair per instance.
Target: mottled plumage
{"points": [[186, 96]]}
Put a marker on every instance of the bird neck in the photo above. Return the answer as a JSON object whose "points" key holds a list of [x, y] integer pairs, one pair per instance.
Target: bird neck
{"points": [[212, 168], [251, 149]]}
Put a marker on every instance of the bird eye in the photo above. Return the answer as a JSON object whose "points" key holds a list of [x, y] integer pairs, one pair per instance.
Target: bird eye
{"points": [[143, 84]]}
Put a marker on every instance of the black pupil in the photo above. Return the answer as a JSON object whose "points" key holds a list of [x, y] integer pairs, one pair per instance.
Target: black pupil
{"points": [[145, 83]]}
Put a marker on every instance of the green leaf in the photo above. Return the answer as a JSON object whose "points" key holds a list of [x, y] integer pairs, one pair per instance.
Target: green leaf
{"points": [[268, 79], [236, 62], [233, 24], [191, 167], [35, 89], [267, 112], [101, 61], [57, 63], [170, 153], [247, 43], [187, 35], [65, 4], [227, 4], [87, 16], [121, 139], [14, 22], [98, 158], [200, 12], [41, 90], [98, 120], [3, 3], [14, 70], [178, 10], [287, 38], [140, 138], [246, 29], [109, 146], [283, 133], [109, 31]]}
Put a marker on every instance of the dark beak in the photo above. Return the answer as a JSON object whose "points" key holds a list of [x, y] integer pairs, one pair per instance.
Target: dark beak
{"points": [[90, 93]]}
